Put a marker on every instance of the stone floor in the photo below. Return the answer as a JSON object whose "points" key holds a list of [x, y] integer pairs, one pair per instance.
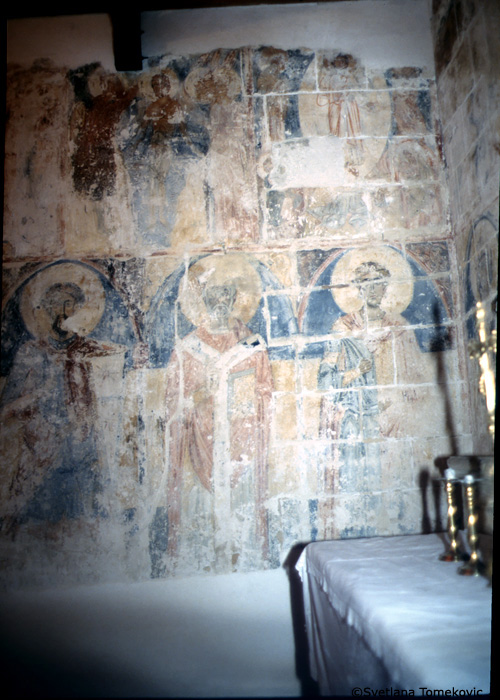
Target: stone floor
{"points": [[219, 636]]}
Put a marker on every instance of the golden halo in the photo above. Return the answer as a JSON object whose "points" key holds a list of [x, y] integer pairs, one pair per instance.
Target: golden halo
{"points": [[86, 318], [221, 269], [399, 291]]}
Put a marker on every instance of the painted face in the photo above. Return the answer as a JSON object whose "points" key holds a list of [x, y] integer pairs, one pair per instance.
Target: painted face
{"points": [[160, 85], [219, 301], [372, 285], [60, 304]]}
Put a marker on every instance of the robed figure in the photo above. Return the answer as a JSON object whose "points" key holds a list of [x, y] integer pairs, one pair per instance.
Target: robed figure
{"points": [[218, 395]]}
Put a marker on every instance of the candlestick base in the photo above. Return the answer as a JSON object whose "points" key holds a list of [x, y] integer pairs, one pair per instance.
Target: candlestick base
{"points": [[454, 555], [472, 568]]}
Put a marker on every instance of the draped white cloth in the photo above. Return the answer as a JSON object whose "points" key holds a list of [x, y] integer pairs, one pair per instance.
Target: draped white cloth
{"points": [[384, 613]]}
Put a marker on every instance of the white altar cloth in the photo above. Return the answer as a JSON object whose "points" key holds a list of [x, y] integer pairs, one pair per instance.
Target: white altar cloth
{"points": [[384, 613]]}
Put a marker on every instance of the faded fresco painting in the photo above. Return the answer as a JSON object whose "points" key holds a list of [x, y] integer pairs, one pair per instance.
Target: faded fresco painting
{"points": [[384, 317], [187, 150], [232, 146], [229, 313], [162, 147], [481, 270], [218, 390], [71, 343]]}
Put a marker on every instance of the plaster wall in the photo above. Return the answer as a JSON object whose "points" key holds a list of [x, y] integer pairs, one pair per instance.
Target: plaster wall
{"points": [[468, 72], [69, 40], [394, 32], [231, 293]]}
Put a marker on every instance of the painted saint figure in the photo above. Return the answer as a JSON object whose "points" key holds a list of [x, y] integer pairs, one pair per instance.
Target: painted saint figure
{"points": [[218, 395], [372, 371], [350, 416], [163, 146], [101, 101], [215, 83], [49, 404], [374, 287]]}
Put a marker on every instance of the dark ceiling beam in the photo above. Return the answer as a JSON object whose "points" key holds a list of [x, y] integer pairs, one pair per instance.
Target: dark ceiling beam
{"points": [[51, 9], [127, 44]]}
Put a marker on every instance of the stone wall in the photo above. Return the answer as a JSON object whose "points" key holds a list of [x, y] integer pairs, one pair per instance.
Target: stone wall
{"points": [[231, 315], [468, 77]]}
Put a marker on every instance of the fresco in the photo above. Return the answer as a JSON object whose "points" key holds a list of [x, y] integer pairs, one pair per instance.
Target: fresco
{"points": [[381, 327], [160, 146], [229, 147], [231, 331], [100, 100], [70, 345], [36, 134], [218, 391], [481, 270], [188, 136]]}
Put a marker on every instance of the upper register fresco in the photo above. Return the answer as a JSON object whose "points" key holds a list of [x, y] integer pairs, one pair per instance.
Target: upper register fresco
{"points": [[232, 147], [229, 319]]}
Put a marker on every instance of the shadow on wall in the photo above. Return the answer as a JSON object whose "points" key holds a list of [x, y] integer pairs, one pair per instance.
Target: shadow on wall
{"points": [[439, 342], [426, 482]]}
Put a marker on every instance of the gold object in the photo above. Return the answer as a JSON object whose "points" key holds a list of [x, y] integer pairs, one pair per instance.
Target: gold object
{"points": [[454, 552], [480, 350], [474, 567]]}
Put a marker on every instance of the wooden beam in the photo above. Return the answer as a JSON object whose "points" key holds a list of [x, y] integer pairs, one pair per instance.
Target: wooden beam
{"points": [[127, 44]]}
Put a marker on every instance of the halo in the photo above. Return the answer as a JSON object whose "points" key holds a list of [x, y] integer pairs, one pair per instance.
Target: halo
{"points": [[221, 269], [399, 291], [222, 79], [145, 86], [84, 321]]}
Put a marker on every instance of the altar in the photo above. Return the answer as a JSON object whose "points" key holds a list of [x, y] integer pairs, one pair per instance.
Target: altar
{"points": [[384, 615]]}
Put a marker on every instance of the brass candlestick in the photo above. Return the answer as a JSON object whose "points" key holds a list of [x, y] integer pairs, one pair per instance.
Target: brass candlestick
{"points": [[454, 552], [474, 567], [481, 350]]}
